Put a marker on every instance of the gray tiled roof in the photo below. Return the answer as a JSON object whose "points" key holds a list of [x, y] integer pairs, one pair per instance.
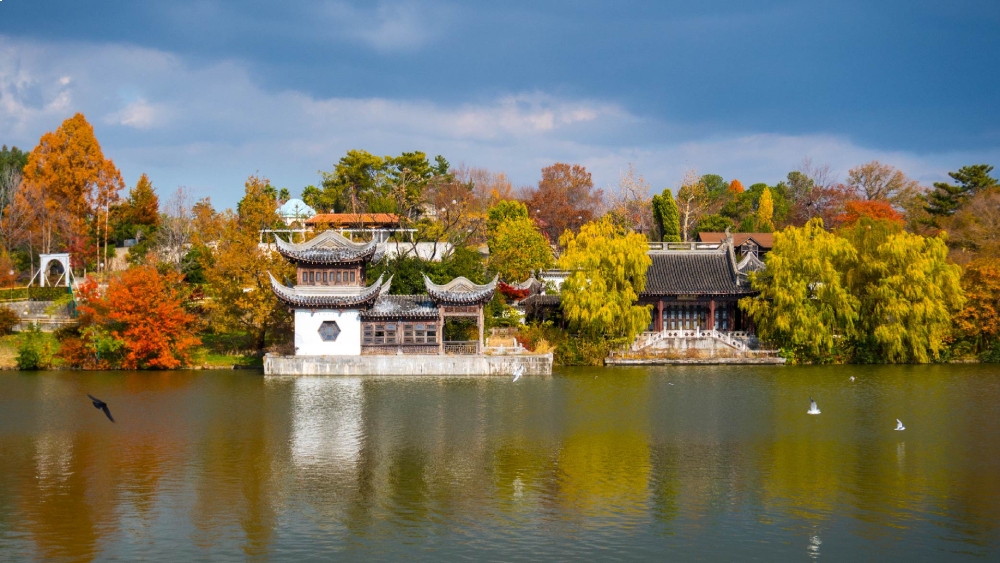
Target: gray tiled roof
{"points": [[460, 291], [328, 248], [693, 273], [302, 299], [402, 307]]}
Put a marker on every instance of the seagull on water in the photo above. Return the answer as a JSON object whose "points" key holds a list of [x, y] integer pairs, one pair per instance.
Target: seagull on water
{"points": [[518, 371], [852, 378], [813, 409], [99, 404], [899, 425]]}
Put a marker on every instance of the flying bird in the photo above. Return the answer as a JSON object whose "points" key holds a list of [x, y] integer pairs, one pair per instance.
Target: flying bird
{"points": [[518, 371], [899, 425], [99, 404], [813, 409]]}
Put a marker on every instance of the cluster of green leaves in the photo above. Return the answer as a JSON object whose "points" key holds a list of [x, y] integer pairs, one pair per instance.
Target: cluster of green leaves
{"points": [[33, 352], [872, 293], [758, 209], [666, 217], [364, 182], [970, 180], [12, 158], [408, 271]]}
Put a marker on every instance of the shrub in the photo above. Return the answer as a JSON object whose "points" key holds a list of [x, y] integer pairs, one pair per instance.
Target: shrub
{"points": [[33, 353], [8, 320]]}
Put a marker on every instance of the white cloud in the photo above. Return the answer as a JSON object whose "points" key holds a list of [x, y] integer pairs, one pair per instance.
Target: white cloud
{"points": [[139, 114], [208, 127]]}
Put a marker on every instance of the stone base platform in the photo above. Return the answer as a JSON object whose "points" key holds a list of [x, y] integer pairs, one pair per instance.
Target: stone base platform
{"points": [[773, 360], [534, 364]]}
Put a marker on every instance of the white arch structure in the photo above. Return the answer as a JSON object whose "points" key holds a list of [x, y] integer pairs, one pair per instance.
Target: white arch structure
{"points": [[46, 261]]}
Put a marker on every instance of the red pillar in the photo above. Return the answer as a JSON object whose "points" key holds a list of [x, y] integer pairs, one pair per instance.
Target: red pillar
{"points": [[711, 315], [659, 315]]}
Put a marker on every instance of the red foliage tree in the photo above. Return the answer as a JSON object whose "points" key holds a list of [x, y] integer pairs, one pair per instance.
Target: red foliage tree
{"points": [[564, 199], [149, 308], [856, 209], [139, 322]]}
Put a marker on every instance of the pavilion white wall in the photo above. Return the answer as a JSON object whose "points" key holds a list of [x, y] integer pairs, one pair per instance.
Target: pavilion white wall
{"points": [[307, 338]]}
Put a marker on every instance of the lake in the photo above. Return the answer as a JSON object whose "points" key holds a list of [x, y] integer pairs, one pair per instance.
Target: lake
{"points": [[631, 464]]}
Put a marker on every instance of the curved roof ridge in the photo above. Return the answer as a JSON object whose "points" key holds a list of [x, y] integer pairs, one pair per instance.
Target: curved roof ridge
{"points": [[289, 296], [461, 291], [327, 239]]}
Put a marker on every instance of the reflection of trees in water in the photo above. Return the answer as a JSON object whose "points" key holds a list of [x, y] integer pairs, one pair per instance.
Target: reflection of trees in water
{"points": [[366, 460], [236, 483]]}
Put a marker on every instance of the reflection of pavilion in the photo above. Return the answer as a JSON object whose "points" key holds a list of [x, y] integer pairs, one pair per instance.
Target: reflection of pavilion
{"points": [[327, 421], [336, 314]]}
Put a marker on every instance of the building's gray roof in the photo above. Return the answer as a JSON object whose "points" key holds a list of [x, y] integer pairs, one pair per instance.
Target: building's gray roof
{"points": [[326, 298], [417, 307], [460, 291], [694, 273], [750, 263], [327, 249], [541, 300]]}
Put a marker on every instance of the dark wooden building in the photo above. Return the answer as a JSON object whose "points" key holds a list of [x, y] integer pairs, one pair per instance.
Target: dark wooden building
{"points": [[696, 289]]}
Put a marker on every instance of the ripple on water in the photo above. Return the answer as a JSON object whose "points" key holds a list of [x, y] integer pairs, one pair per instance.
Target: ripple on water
{"points": [[723, 464]]}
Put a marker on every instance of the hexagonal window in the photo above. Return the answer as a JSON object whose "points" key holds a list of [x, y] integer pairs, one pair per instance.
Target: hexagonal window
{"points": [[329, 331]]}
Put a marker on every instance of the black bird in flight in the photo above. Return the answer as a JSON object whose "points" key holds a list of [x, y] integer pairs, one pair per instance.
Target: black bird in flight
{"points": [[99, 404]]}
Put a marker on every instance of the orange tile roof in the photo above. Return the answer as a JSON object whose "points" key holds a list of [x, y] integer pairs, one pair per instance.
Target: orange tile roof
{"points": [[355, 219], [765, 240]]}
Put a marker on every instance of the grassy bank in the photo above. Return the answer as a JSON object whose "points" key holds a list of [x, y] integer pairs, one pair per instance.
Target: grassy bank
{"points": [[216, 352]]}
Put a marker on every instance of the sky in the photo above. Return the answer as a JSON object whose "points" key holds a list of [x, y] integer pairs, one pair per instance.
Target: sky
{"points": [[203, 93]]}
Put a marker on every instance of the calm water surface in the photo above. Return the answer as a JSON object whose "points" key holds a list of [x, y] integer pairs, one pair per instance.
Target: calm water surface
{"points": [[675, 463]]}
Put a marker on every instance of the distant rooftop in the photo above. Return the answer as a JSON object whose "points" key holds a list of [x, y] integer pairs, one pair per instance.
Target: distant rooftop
{"points": [[356, 220], [764, 240]]}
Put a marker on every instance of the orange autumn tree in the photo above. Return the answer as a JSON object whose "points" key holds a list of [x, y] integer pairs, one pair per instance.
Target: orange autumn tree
{"points": [[736, 187], [138, 323], [68, 172], [856, 209], [979, 321]]}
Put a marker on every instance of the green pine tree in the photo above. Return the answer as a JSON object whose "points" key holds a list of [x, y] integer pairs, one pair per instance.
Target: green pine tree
{"points": [[667, 217], [947, 198]]}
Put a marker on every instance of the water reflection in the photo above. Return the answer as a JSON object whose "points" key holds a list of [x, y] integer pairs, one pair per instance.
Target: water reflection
{"points": [[724, 463]]}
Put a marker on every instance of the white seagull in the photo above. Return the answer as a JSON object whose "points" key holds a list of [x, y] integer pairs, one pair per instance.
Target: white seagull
{"points": [[518, 371], [852, 378], [899, 425], [813, 409]]}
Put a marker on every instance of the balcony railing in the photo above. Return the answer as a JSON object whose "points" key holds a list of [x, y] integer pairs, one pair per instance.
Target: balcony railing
{"points": [[396, 349], [467, 348]]}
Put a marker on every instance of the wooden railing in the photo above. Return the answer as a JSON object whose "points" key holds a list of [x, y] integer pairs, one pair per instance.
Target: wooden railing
{"points": [[396, 349], [468, 348]]}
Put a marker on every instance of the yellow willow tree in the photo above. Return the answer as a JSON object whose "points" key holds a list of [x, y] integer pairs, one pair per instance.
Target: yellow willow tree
{"points": [[804, 304], [238, 282], [907, 292], [68, 172], [608, 268]]}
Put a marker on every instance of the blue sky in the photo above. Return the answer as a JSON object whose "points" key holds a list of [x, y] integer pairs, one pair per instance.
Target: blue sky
{"points": [[203, 93]]}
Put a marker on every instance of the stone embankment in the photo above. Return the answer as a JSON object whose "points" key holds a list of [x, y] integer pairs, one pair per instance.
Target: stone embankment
{"points": [[531, 364], [693, 361]]}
